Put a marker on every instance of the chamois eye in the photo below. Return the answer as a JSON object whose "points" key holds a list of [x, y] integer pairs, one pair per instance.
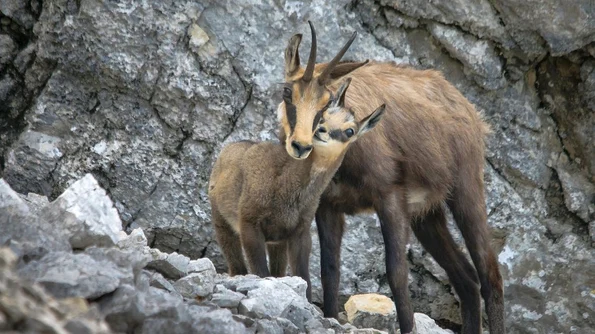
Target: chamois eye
{"points": [[322, 130], [287, 93], [349, 133]]}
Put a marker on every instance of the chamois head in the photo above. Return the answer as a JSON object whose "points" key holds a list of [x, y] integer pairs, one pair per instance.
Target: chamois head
{"points": [[305, 95], [338, 127]]}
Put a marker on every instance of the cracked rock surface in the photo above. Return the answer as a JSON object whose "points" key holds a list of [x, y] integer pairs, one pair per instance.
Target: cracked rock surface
{"points": [[142, 95]]}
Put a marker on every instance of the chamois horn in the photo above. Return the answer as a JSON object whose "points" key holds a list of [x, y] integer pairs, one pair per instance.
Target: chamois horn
{"points": [[312, 59], [331, 65]]}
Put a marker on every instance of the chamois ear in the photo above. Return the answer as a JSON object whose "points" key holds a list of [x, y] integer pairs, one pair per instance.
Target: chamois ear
{"points": [[292, 56], [339, 100], [371, 120]]}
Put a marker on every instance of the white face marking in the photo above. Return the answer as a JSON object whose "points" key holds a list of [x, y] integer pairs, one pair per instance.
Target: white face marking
{"points": [[280, 112]]}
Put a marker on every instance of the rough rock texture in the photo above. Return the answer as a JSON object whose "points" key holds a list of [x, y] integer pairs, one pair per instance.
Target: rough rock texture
{"points": [[87, 214], [26, 308], [371, 310], [143, 95], [427, 325], [113, 288]]}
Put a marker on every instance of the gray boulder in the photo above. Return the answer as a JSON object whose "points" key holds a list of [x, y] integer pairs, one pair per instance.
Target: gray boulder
{"points": [[26, 234], [91, 274], [27, 308], [224, 297], [86, 213], [196, 284], [172, 265]]}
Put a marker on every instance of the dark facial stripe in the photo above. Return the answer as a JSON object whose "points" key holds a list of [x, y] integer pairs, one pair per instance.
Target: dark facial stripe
{"points": [[317, 119], [291, 115]]}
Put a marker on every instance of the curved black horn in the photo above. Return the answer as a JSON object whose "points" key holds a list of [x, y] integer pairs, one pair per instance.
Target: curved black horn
{"points": [[312, 59], [329, 68]]}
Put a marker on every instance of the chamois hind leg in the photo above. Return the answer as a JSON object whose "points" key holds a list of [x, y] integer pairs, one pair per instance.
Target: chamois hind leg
{"points": [[300, 247], [394, 223], [330, 224], [229, 242], [467, 204], [277, 258], [433, 234], [254, 245]]}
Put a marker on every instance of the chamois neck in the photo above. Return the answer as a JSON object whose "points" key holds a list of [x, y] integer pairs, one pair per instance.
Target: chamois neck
{"points": [[311, 174], [324, 164]]}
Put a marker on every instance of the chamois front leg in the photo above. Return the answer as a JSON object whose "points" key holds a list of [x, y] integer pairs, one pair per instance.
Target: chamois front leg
{"points": [[394, 223], [229, 241], [277, 258], [253, 242], [300, 247], [330, 224]]}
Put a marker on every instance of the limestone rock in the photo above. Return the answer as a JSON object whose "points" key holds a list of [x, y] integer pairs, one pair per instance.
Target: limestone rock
{"points": [[196, 284], [172, 265], [26, 234], [136, 240], [89, 275], [27, 308], [87, 214], [35, 202], [477, 55], [157, 280], [425, 324], [371, 311], [8, 50], [224, 297]]}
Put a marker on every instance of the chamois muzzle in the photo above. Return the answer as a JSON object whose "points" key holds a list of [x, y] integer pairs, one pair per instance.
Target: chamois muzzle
{"points": [[299, 150]]}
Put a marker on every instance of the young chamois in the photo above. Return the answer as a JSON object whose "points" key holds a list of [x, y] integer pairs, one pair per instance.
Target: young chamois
{"points": [[259, 195], [428, 154]]}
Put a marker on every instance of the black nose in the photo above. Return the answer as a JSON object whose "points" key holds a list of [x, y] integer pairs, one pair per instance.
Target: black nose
{"points": [[301, 150]]}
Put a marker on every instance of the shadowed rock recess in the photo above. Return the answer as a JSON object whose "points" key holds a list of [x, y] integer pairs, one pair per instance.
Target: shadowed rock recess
{"points": [[142, 95]]}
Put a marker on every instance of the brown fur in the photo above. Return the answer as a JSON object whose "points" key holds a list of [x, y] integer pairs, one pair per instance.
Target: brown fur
{"points": [[259, 195], [427, 153]]}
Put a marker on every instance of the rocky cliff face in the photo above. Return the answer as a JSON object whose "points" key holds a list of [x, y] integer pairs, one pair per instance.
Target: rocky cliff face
{"points": [[144, 94]]}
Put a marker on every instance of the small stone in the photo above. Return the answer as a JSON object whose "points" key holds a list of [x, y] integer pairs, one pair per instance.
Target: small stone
{"points": [[135, 240], [200, 265], [427, 325], [224, 297], [578, 193], [296, 283], [157, 280], [196, 284], [171, 265], [371, 310]]}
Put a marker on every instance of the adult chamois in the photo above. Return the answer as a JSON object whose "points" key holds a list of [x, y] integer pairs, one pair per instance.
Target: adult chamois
{"points": [[259, 195], [428, 154]]}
